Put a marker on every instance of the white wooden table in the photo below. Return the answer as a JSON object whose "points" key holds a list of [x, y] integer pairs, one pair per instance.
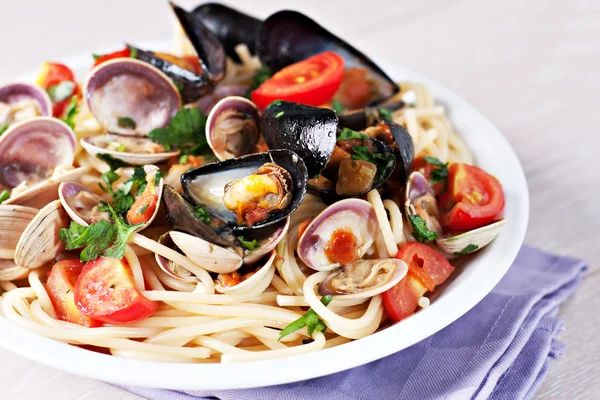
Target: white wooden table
{"points": [[533, 67]]}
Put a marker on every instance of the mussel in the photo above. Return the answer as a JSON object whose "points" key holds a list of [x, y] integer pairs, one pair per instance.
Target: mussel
{"points": [[131, 97], [341, 234], [232, 128], [20, 101], [131, 149], [287, 37], [365, 117]]}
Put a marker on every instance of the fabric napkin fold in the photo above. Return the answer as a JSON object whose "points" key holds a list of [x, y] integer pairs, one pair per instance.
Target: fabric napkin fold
{"points": [[500, 349]]}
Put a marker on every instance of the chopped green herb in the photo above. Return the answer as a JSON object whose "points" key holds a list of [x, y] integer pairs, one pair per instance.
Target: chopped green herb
{"points": [[97, 56], [114, 163], [386, 114], [201, 213], [262, 74], [109, 177], [183, 158], [337, 106], [124, 230], [307, 341], [383, 162], [187, 127], [279, 114], [61, 91], [469, 249], [4, 196], [348, 133], [3, 128], [178, 85], [157, 177], [143, 209], [440, 174], [132, 52], [120, 147], [126, 123], [311, 320], [123, 198], [72, 112], [248, 244], [420, 231], [274, 103], [94, 239]]}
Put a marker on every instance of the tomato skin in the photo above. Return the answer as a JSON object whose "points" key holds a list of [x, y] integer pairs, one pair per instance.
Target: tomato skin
{"points": [[52, 74], [105, 291], [61, 279], [474, 198], [426, 269], [125, 53], [426, 168], [355, 91], [143, 208], [313, 81]]}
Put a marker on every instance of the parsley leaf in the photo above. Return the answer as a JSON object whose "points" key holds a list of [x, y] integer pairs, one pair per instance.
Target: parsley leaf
{"points": [[274, 103], [337, 106], [469, 249], [109, 177], [386, 114], [61, 91], [126, 123], [438, 175], [122, 198], [262, 74], [279, 114], [183, 158], [186, 127], [124, 230], [133, 52], [95, 239], [4, 196], [420, 231], [248, 244], [201, 213], [113, 162], [157, 177], [348, 133], [383, 162], [3, 128], [311, 320], [97, 56], [72, 111]]}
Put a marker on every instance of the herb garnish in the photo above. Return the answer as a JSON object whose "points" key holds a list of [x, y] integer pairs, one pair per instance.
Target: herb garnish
{"points": [[248, 244], [4, 196], [183, 158], [157, 177], [201, 213], [440, 174], [72, 111], [337, 106], [186, 127], [114, 163], [383, 162], [386, 114], [143, 209], [420, 231], [279, 114], [311, 320], [122, 198], [469, 249], [348, 133], [3, 128], [274, 103], [120, 147], [126, 123], [262, 74], [61, 91]]}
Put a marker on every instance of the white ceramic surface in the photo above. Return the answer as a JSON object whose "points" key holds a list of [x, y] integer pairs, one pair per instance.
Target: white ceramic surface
{"points": [[471, 283]]}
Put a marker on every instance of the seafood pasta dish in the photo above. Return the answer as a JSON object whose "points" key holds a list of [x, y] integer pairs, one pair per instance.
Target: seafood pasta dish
{"points": [[264, 191]]}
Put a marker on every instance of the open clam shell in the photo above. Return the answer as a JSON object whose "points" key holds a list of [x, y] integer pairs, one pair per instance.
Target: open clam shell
{"points": [[250, 282], [171, 268], [25, 101], [420, 201], [352, 220], [208, 101], [40, 242], [136, 150], [79, 202], [207, 255], [9, 271], [30, 150], [232, 128], [13, 221], [131, 97], [470, 241], [267, 239], [364, 278]]}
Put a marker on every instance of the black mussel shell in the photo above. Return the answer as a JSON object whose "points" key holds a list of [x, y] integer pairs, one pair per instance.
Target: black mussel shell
{"points": [[191, 86], [210, 50], [230, 26], [223, 172], [362, 118], [308, 131], [405, 153], [287, 37], [180, 214]]}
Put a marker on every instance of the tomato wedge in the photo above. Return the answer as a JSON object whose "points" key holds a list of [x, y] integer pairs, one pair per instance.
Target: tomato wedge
{"points": [[313, 81], [61, 279], [143, 208], [53, 74], [426, 269], [474, 198], [125, 53], [105, 291]]}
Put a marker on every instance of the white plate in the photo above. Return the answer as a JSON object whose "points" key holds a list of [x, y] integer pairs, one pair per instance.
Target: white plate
{"points": [[479, 276]]}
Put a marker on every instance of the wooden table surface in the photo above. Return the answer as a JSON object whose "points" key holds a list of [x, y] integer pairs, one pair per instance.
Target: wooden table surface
{"points": [[532, 67]]}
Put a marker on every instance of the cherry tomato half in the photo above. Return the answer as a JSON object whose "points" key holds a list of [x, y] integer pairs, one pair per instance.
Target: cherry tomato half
{"points": [[52, 74], [313, 81], [473, 199], [426, 269], [142, 209], [61, 279], [125, 53], [105, 291]]}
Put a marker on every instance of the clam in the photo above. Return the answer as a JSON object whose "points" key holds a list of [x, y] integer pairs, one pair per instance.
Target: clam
{"points": [[267, 239], [9, 271], [20, 101], [249, 192], [364, 278], [207, 255], [468, 242], [206, 103], [420, 201], [308, 131], [171, 268], [339, 235], [132, 150], [230, 26], [13, 221], [250, 279], [287, 37], [232, 128], [40, 243], [131, 97]]}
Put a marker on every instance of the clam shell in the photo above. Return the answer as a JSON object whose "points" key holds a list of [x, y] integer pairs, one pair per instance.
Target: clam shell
{"points": [[169, 267], [418, 187], [13, 221], [479, 237], [149, 169], [267, 244], [93, 145], [16, 92], [207, 102], [127, 87], [249, 283], [207, 255], [9, 271], [66, 193], [40, 243]]}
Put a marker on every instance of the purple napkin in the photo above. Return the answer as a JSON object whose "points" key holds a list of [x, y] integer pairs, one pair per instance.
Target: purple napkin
{"points": [[499, 350]]}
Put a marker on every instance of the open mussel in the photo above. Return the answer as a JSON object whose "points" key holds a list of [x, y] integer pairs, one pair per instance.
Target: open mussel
{"points": [[20, 101], [287, 37], [362, 118], [232, 128], [131, 97]]}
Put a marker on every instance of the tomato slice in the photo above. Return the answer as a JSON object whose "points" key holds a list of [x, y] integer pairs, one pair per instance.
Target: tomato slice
{"points": [[426, 269], [125, 53], [313, 81], [105, 291], [474, 198], [355, 90], [143, 208], [61, 279]]}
